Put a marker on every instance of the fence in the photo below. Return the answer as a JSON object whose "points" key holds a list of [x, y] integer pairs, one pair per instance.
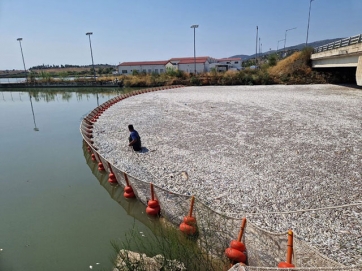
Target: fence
{"points": [[339, 43], [264, 249]]}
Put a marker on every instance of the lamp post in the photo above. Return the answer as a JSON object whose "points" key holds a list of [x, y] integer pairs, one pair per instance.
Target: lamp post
{"points": [[36, 129], [22, 55], [194, 26], [285, 38], [278, 44], [310, 6], [90, 45], [256, 46]]}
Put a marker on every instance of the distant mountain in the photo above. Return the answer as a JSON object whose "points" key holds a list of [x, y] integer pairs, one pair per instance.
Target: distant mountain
{"points": [[294, 47]]}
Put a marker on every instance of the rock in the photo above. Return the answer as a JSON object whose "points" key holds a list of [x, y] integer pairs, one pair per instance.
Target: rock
{"points": [[132, 261]]}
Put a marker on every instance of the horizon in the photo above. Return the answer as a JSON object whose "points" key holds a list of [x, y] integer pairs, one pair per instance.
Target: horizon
{"points": [[55, 34]]}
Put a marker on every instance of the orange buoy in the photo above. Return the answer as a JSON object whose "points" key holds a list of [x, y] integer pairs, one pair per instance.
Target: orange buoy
{"points": [[235, 255], [93, 157], [153, 208], [187, 229], [288, 262], [237, 245], [100, 165], [112, 178], [236, 251], [188, 226], [128, 190]]}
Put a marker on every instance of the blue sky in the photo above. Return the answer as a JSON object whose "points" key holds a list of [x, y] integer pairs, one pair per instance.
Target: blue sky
{"points": [[53, 32]]}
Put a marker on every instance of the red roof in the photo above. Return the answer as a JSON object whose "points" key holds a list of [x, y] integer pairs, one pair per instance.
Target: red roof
{"points": [[229, 59], [139, 63], [203, 58], [191, 60]]}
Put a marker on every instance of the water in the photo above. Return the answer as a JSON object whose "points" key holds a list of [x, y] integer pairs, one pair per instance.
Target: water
{"points": [[53, 213]]}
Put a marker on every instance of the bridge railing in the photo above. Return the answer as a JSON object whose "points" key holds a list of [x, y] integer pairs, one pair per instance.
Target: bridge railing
{"points": [[339, 43]]}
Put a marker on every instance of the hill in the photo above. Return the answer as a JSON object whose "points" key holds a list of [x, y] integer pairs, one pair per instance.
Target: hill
{"points": [[290, 48]]}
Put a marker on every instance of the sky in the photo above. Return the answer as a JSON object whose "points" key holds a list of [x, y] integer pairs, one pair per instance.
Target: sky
{"points": [[53, 32]]}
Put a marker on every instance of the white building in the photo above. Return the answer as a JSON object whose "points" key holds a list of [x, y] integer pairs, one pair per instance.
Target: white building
{"points": [[144, 66], [187, 64], [226, 64]]}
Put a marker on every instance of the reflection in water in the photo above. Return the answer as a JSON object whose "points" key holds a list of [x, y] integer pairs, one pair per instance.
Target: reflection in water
{"points": [[32, 110], [66, 94]]}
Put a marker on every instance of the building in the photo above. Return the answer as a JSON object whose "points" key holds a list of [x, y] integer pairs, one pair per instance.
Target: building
{"points": [[186, 64], [226, 64], [143, 66]]}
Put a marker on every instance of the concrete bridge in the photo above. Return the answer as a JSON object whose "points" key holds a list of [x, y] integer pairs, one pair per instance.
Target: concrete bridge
{"points": [[342, 53]]}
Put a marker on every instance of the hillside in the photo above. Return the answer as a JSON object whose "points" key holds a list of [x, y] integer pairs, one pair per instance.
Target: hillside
{"points": [[293, 48]]}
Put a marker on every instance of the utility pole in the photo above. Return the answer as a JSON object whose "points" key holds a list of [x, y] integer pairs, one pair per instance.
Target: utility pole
{"points": [[310, 6], [256, 47]]}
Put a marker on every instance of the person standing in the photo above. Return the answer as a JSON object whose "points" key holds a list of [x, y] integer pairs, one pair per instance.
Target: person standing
{"points": [[134, 138]]}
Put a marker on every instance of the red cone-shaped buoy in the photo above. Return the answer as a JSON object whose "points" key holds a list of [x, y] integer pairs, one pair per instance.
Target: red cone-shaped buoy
{"points": [[128, 192], [100, 166], [235, 252], [112, 178], [153, 207], [235, 255], [237, 245], [288, 262], [152, 211], [188, 226], [187, 229], [285, 265]]}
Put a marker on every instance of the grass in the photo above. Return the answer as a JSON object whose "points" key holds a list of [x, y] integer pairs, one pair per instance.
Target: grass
{"points": [[175, 248]]}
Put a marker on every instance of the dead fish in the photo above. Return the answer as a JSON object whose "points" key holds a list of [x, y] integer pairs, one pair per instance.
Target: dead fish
{"points": [[184, 175]]}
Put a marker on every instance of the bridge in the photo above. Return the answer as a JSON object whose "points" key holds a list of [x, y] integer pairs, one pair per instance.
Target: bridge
{"points": [[342, 53]]}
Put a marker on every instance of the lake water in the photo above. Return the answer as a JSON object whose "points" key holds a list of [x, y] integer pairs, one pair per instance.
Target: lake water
{"points": [[54, 215]]}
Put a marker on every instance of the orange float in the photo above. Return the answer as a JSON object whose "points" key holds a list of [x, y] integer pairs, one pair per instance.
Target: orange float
{"points": [[236, 251], [128, 190], [93, 157], [288, 262], [188, 226], [153, 207], [112, 177], [100, 165]]}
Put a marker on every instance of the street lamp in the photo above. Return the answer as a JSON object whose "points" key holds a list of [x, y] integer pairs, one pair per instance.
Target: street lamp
{"points": [[285, 38], [22, 55], [90, 45], [36, 129], [310, 6], [278, 44], [194, 27]]}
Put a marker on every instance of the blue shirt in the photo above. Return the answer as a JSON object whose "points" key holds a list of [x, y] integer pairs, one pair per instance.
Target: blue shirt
{"points": [[134, 135]]}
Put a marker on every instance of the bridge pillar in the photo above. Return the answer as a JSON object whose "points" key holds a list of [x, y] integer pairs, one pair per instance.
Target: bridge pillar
{"points": [[359, 71]]}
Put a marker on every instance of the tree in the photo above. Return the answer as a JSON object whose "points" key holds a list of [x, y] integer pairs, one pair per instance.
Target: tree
{"points": [[272, 59]]}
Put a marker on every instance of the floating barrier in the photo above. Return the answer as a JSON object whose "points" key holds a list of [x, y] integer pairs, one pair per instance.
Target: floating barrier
{"points": [[112, 177], [236, 251], [100, 165], [288, 262], [153, 207], [128, 190], [188, 226], [264, 248]]}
